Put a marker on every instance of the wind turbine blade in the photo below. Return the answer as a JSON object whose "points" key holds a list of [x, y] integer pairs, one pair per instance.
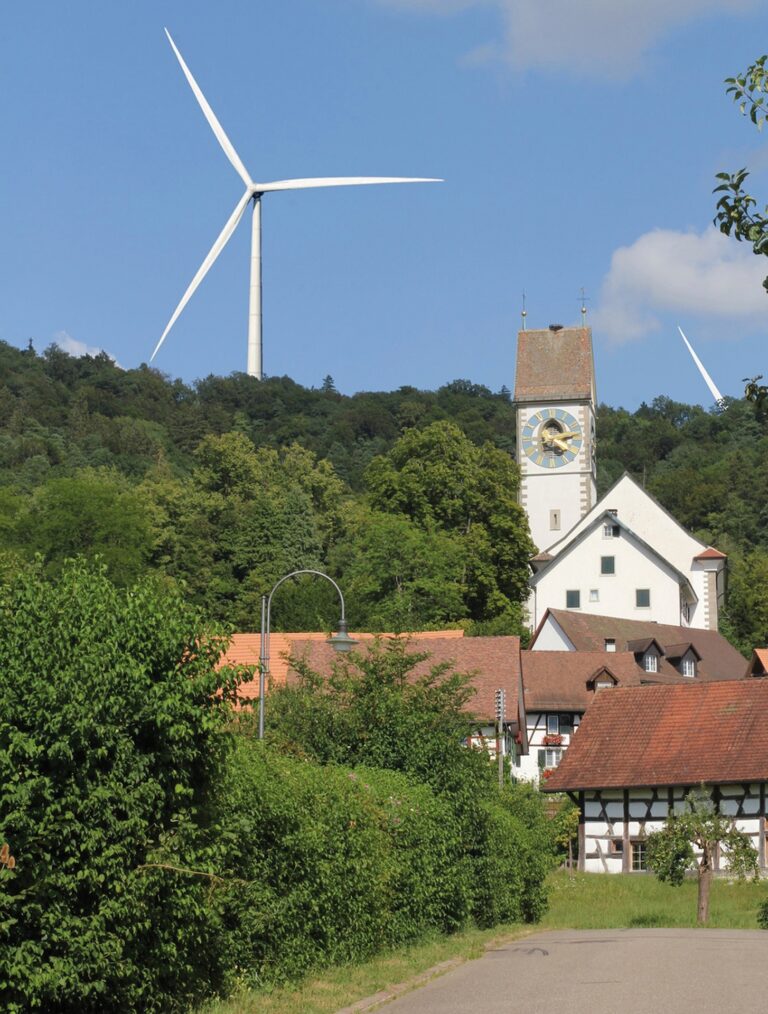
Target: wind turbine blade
{"points": [[707, 379], [210, 116], [213, 253], [337, 181]]}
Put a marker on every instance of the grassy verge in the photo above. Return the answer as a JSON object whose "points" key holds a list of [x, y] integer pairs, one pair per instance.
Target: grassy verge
{"points": [[611, 901], [584, 901], [339, 987]]}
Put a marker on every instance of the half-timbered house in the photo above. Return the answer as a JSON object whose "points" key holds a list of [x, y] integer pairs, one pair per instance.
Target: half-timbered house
{"points": [[639, 752]]}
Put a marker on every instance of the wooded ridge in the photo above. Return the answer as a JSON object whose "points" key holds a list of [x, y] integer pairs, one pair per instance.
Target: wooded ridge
{"points": [[409, 497]]}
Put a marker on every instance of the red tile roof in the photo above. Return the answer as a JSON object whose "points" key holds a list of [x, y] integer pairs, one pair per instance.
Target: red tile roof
{"points": [[710, 553], [758, 664], [244, 649], [715, 733], [719, 659], [493, 661], [560, 680], [554, 364]]}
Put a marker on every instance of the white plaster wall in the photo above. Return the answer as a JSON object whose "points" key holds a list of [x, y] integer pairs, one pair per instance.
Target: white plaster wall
{"points": [[598, 831], [635, 568], [651, 523], [536, 723], [551, 637]]}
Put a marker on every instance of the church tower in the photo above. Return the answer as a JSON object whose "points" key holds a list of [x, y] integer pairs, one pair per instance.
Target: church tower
{"points": [[555, 402]]}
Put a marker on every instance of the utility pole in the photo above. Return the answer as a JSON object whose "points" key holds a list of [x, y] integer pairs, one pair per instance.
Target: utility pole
{"points": [[501, 706]]}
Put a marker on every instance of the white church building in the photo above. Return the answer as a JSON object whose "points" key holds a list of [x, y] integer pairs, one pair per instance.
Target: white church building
{"points": [[623, 555]]}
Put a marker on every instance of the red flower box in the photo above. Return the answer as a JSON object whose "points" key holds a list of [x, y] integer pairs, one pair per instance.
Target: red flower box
{"points": [[552, 741]]}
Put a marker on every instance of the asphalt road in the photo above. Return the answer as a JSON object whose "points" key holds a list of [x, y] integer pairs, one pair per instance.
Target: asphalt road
{"points": [[606, 972]]}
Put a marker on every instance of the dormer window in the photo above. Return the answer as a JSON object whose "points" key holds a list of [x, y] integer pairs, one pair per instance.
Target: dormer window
{"points": [[650, 662], [688, 667]]}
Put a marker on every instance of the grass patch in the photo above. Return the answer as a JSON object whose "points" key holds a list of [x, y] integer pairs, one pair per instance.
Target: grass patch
{"points": [[584, 901], [339, 987], [614, 901]]}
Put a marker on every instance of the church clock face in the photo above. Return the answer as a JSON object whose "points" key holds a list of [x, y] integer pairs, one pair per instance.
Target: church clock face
{"points": [[551, 438]]}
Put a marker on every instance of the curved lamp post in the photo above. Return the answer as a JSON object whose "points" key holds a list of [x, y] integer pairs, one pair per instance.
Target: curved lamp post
{"points": [[340, 641]]}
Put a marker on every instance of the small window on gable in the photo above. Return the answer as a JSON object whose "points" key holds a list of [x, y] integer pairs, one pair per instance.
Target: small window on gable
{"points": [[610, 644], [607, 564], [594, 595], [573, 599], [611, 531], [650, 662], [643, 598], [554, 521], [688, 668]]}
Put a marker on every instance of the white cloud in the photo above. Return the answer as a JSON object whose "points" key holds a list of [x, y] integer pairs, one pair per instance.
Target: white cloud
{"points": [[686, 273], [71, 345], [594, 37]]}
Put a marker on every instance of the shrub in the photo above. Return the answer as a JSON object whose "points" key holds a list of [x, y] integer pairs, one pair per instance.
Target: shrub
{"points": [[109, 748], [333, 863]]}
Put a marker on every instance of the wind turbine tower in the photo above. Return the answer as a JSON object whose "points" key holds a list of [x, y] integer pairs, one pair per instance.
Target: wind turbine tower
{"points": [[252, 195]]}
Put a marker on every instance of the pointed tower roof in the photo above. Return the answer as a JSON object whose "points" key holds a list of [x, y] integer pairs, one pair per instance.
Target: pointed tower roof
{"points": [[555, 364]]}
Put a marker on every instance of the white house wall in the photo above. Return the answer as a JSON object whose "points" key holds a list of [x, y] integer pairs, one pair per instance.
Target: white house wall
{"points": [[611, 816], [635, 567]]}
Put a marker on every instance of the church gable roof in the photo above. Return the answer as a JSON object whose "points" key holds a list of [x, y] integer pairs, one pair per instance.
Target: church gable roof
{"points": [[589, 632], [555, 365], [545, 562], [610, 501]]}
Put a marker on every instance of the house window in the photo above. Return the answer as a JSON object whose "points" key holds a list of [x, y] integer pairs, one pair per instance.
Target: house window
{"points": [[573, 600], [617, 846], [650, 662], [638, 857], [611, 531], [607, 564], [610, 644], [550, 756], [554, 521], [594, 595], [643, 598], [576, 722], [553, 725], [688, 667]]}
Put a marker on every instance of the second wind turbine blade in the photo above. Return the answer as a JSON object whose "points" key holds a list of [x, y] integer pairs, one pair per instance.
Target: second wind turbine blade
{"points": [[338, 181], [208, 113], [700, 366], [213, 253]]}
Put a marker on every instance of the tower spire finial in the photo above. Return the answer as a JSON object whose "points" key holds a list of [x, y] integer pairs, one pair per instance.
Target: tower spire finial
{"points": [[523, 313], [584, 301]]}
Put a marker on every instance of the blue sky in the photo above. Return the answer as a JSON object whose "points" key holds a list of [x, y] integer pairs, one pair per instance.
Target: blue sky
{"points": [[578, 140]]}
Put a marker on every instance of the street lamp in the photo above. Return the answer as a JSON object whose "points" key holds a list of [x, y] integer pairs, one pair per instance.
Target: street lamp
{"points": [[340, 641]]}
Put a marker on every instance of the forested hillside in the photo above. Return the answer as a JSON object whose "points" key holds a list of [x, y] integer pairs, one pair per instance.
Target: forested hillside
{"points": [[407, 497]]}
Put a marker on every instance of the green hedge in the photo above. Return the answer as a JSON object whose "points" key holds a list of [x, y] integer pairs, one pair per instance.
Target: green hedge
{"points": [[110, 746], [330, 865]]}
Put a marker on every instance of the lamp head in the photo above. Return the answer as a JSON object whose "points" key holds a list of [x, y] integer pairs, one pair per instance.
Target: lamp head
{"points": [[341, 642]]}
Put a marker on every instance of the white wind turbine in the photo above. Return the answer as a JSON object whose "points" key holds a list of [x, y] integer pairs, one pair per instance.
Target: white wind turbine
{"points": [[713, 389], [253, 194]]}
